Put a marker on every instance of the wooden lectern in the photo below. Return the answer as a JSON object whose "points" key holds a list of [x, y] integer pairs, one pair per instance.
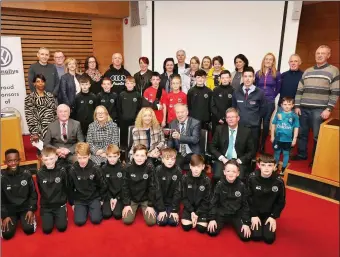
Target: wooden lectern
{"points": [[11, 137], [326, 160]]}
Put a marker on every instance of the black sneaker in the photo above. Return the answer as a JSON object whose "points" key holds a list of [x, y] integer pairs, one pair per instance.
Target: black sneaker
{"points": [[298, 158], [282, 171]]}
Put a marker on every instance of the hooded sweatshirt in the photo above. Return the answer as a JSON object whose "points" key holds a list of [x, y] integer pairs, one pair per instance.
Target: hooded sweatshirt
{"points": [[117, 77]]}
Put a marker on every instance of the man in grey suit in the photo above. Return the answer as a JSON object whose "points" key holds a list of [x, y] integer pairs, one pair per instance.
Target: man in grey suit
{"points": [[185, 136], [64, 134]]}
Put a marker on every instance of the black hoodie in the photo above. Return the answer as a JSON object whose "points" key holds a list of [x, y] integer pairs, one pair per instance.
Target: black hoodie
{"points": [[114, 176], [110, 101], [18, 192], [230, 199], [267, 196], [196, 194], [87, 184], [221, 100], [130, 103], [139, 184], [199, 103], [117, 77], [168, 193], [52, 184]]}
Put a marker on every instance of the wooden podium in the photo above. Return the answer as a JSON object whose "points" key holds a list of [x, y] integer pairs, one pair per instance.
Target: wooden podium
{"points": [[11, 137], [326, 160]]}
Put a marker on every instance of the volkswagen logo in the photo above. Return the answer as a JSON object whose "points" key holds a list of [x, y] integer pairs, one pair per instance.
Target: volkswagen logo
{"points": [[6, 57]]}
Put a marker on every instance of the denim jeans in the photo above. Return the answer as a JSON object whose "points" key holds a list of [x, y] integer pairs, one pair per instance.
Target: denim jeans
{"points": [[267, 115], [309, 119]]}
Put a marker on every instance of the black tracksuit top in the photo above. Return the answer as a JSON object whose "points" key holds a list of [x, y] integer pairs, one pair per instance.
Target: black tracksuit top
{"points": [[114, 176], [199, 103], [53, 186], [84, 106], [87, 184], [139, 184], [168, 193], [267, 196], [110, 101], [18, 192], [230, 199], [221, 101], [130, 103], [196, 193]]}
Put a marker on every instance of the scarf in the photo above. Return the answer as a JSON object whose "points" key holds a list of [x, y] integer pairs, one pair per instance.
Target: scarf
{"points": [[95, 75]]}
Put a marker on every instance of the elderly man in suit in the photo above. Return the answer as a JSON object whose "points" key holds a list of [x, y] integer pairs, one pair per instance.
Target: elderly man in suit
{"points": [[185, 137], [232, 141], [64, 134]]}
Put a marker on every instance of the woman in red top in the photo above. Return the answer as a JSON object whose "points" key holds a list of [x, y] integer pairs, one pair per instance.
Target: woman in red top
{"points": [[174, 97]]}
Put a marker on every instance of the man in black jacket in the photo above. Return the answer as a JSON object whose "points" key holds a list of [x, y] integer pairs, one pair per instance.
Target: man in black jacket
{"points": [[185, 137], [232, 141], [181, 66]]}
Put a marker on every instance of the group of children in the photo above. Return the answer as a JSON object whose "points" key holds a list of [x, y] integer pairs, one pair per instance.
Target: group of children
{"points": [[117, 190]]}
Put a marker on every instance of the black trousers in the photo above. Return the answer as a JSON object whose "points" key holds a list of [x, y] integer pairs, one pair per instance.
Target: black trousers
{"points": [[82, 210], [263, 233], [28, 229], [84, 127], [117, 211], [183, 162], [255, 134], [51, 216], [235, 221], [124, 132]]}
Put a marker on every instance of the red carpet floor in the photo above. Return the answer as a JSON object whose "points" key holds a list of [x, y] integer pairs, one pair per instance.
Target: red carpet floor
{"points": [[308, 227]]}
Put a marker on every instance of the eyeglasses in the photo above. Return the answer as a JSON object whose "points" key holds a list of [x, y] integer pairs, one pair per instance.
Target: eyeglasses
{"points": [[92, 62]]}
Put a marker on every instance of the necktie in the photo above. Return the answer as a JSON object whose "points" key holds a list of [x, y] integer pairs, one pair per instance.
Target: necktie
{"points": [[182, 147], [231, 145], [64, 133], [246, 95]]}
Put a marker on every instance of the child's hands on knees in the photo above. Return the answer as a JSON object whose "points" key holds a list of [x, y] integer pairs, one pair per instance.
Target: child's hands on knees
{"points": [[150, 211], [175, 216], [255, 222], [194, 219], [29, 217], [5, 224], [272, 224], [113, 203], [246, 231], [126, 210], [212, 226], [161, 216]]}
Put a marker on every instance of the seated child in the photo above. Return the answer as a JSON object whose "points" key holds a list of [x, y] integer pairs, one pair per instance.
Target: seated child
{"points": [[52, 184], [168, 193], [139, 188], [18, 197], [267, 198], [88, 187], [114, 173], [229, 203], [196, 188]]}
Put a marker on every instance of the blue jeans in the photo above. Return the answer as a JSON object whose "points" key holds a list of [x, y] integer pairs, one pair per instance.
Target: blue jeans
{"points": [[309, 119], [267, 114], [167, 220]]}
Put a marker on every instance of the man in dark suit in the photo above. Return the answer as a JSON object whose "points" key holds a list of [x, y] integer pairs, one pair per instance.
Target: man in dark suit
{"points": [[185, 137], [64, 134], [232, 141]]}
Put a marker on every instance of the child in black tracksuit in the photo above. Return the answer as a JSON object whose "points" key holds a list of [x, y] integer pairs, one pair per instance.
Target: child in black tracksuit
{"points": [[139, 188], [199, 100], [84, 104], [88, 187], [168, 193], [114, 174], [18, 197], [229, 203], [221, 100], [108, 99], [267, 199], [196, 188], [129, 105], [52, 183]]}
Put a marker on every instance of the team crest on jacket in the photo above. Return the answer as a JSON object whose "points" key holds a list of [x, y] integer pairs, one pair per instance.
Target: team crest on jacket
{"points": [[237, 193], [230, 96], [145, 176], [112, 100], [134, 99], [23, 182], [275, 189], [202, 188], [57, 180], [119, 174], [174, 177], [90, 102], [91, 176], [205, 95]]}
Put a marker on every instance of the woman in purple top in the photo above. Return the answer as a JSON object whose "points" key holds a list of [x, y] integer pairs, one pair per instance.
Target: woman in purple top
{"points": [[269, 80]]}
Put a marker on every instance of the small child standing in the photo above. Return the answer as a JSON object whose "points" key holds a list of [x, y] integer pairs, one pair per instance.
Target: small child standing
{"points": [[88, 187], [84, 104], [18, 197], [168, 193], [267, 199], [284, 131], [114, 174], [196, 188], [52, 184], [174, 97]]}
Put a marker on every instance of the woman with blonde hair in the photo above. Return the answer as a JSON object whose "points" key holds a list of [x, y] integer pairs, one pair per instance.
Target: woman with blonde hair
{"points": [[101, 133], [188, 77], [268, 79], [69, 85], [148, 132], [206, 64]]}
